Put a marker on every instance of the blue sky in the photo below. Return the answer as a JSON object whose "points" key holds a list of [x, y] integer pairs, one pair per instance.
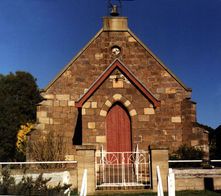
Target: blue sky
{"points": [[42, 36]]}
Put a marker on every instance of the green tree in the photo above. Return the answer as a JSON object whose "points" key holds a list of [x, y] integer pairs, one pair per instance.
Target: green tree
{"points": [[19, 95]]}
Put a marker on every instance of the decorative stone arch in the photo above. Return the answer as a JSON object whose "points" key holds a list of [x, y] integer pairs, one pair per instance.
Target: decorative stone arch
{"points": [[118, 98]]}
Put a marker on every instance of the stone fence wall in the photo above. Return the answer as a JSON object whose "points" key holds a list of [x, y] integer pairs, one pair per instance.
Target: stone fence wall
{"points": [[198, 179]]}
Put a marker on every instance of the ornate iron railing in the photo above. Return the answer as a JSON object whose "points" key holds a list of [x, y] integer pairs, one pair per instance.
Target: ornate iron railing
{"points": [[115, 169]]}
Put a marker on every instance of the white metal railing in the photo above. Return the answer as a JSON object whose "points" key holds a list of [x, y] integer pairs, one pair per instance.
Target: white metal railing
{"points": [[171, 183], [215, 161], [84, 184], [159, 183], [192, 161], [185, 161], [36, 162], [122, 169]]}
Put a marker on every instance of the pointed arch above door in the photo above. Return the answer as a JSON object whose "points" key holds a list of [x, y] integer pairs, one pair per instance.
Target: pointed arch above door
{"points": [[118, 129]]}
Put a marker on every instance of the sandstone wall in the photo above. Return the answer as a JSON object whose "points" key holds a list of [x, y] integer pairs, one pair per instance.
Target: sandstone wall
{"points": [[166, 125]]}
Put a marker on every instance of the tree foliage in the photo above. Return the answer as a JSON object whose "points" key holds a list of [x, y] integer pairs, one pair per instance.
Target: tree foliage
{"points": [[22, 138], [19, 95]]}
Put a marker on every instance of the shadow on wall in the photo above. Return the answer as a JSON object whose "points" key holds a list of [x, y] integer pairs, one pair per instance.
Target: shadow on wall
{"points": [[77, 138]]}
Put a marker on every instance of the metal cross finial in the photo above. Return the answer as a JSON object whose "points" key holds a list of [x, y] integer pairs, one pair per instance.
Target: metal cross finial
{"points": [[115, 7]]}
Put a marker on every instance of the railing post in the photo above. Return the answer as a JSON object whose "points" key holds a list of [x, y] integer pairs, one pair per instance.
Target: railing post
{"points": [[137, 163], [123, 168], [102, 160]]}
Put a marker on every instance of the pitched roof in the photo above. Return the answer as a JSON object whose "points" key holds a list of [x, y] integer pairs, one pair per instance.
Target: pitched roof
{"points": [[127, 73], [137, 39]]}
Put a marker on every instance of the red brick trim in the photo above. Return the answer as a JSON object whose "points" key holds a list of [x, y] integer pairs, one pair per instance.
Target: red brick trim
{"points": [[130, 76]]}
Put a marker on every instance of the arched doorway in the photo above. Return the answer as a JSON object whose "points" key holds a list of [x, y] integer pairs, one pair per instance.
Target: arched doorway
{"points": [[118, 129]]}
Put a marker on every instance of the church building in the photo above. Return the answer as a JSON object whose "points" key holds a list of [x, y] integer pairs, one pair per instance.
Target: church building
{"points": [[115, 94]]}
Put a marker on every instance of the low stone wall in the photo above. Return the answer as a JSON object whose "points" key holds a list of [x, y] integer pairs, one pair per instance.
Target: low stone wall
{"points": [[198, 179], [62, 176]]}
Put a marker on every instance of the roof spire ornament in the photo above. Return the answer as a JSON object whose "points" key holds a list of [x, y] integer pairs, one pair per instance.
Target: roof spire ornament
{"points": [[115, 7]]}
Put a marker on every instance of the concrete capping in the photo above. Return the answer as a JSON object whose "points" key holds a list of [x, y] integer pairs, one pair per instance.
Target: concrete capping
{"points": [[157, 147], [115, 23], [85, 147]]}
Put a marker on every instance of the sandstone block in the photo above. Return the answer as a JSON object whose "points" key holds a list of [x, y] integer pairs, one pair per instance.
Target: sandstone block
{"points": [[149, 111], [48, 96], [91, 125], [62, 97], [118, 84], [160, 90], [87, 105], [98, 56], [143, 118], [133, 112], [47, 102], [131, 39], [103, 113], [83, 111], [170, 90], [41, 114], [69, 157], [56, 103], [112, 76], [43, 120], [51, 121], [127, 103], [194, 142], [63, 103], [108, 103], [89, 111], [94, 104], [165, 74], [176, 119], [117, 97], [71, 103], [101, 139]]}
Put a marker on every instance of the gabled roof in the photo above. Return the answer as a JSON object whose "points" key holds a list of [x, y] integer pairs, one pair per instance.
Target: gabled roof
{"points": [[137, 39], [117, 64]]}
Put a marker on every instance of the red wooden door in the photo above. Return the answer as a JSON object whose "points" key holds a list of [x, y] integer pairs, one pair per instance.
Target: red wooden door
{"points": [[118, 130]]}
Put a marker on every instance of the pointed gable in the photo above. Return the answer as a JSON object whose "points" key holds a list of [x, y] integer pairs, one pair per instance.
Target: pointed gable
{"points": [[117, 64], [118, 24]]}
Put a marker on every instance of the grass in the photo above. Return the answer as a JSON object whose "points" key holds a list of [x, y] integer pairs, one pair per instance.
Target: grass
{"points": [[178, 193]]}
